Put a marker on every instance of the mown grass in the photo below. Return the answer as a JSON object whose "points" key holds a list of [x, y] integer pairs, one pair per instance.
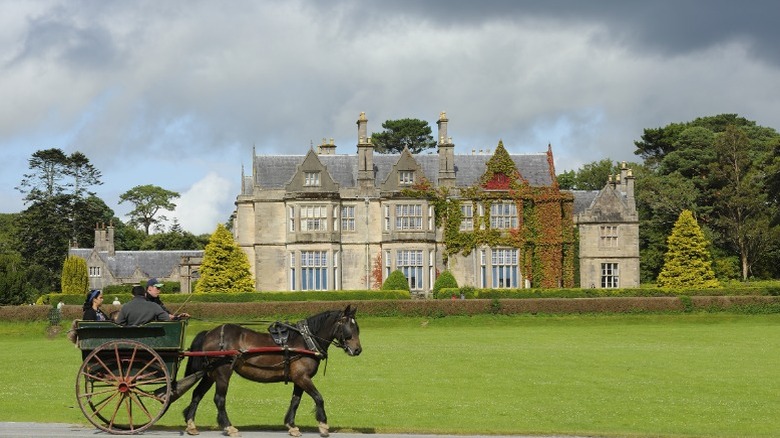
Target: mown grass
{"points": [[693, 375]]}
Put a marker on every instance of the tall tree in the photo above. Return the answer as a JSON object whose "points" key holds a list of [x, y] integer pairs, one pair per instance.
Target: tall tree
{"points": [[87, 212], [83, 174], [44, 230], [225, 266], [15, 288], [682, 159], [48, 170], [413, 134], [744, 214], [687, 262], [148, 201]]}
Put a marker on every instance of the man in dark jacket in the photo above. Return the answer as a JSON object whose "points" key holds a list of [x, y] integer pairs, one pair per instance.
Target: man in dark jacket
{"points": [[140, 311], [153, 290]]}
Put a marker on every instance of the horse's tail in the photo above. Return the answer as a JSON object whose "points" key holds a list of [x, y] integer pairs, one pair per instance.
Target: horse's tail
{"points": [[196, 363]]}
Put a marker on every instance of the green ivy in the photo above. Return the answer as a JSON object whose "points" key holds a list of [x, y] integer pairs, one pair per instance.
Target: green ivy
{"points": [[545, 233]]}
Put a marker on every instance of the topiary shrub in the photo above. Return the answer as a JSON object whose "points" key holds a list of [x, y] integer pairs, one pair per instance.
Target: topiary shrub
{"points": [[396, 281], [445, 280]]}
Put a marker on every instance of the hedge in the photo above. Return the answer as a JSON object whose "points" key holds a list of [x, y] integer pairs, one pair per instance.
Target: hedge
{"points": [[471, 292], [440, 308], [248, 297]]}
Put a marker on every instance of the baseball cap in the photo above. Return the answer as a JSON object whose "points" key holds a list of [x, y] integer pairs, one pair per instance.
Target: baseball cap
{"points": [[154, 282]]}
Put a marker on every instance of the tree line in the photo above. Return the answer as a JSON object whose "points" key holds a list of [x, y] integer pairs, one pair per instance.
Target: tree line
{"points": [[725, 170], [62, 211]]}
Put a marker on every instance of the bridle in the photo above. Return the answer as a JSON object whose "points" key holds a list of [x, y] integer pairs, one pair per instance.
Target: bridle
{"points": [[339, 337]]}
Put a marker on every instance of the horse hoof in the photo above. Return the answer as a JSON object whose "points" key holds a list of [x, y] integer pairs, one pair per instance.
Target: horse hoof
{"points": [[324, 430], [293, 431], [231, 431], [191, 429]]}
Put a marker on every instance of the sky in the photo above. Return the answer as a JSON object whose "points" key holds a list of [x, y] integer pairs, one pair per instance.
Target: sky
{"points": [[179, 94]]}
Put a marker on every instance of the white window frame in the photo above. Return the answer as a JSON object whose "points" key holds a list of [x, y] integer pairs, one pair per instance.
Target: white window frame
{"points": [[314, 270], [388, 264], [348, 218], [503, 215], [292, 270], [311, 179], [467, 217], [314, 217], [608, 236], [94, 271], [610, 275], [410, 262], [408, 217], [505, 269], [406, 177]]}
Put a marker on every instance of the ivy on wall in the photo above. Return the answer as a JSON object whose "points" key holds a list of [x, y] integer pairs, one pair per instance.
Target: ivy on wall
{"points": [[545, 232]]}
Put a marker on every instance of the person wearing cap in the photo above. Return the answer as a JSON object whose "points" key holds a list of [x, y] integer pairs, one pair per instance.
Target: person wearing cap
{"points": [[139, 310], [153, 291]]}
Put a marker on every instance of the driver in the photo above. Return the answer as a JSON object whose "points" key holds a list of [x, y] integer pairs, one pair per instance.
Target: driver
{"points": [[140, 311]]}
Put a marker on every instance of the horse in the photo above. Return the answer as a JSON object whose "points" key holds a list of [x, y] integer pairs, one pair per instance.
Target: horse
{"points": [[257, 357]]}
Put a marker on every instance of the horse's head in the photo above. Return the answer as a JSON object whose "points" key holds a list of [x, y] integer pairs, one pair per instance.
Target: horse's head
{"points": [[348, 332]]}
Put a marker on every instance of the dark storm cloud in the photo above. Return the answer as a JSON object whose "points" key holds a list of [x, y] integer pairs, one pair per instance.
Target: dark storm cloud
{"points": [[667, 27]]}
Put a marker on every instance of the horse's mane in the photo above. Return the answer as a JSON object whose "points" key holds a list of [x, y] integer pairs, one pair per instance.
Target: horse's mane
{"points": [[316, 322]]}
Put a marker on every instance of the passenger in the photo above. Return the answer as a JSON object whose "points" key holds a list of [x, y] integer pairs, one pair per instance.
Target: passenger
{"points": [[139, 311], [92, 305], [153, 294]]}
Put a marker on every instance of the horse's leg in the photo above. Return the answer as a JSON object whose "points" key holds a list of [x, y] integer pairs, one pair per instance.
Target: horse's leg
{"points": [[319, 404], [222, 378], [197, 396], [289, 418]]}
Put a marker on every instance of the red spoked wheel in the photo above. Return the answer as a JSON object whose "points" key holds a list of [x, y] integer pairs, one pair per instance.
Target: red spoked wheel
{"points": [[123, 387]]}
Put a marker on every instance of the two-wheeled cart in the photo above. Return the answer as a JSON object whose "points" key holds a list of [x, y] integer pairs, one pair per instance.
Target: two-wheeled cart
{"points": [[127, 378]]}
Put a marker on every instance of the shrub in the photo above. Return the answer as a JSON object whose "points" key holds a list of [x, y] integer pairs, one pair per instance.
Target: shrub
{"points": [[396, 281], [445, 280], [74, 278]]}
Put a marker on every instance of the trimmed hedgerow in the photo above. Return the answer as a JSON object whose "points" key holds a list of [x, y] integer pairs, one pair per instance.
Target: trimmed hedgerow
{"points": [[252, 311]]}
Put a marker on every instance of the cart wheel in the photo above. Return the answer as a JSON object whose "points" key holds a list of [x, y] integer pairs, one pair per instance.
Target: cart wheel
{"points": [[123, 387]]}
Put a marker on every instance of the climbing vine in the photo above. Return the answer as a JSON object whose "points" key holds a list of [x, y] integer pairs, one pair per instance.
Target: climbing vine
{"points": [[544, 234]]}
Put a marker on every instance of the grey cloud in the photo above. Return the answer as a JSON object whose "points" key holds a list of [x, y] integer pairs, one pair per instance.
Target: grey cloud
{"points": [[67, 43]]}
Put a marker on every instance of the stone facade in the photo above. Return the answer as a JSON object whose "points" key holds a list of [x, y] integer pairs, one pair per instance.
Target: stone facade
{"points": [[609, 236], [326, 221], [106, 266]]}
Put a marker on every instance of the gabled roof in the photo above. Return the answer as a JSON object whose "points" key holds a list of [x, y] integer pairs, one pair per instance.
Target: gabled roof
{"points": [[150, 263], [276, 171]]}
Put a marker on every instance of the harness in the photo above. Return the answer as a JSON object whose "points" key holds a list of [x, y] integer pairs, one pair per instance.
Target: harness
{"points": [[280, 333]]}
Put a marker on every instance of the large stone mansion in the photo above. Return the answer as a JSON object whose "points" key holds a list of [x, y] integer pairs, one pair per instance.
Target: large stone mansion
{"points": [[328, 221]]}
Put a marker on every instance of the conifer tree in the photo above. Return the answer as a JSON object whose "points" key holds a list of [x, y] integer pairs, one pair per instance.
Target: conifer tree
{"points": [[74, 276], [225, 266], [687, 262]]}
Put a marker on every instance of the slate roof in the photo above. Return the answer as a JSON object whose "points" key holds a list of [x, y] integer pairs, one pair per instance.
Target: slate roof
{"points": [[150, 263], [583, 199], [276, 171]]}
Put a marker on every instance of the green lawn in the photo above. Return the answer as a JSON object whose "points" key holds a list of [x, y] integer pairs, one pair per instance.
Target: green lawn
{"points": [[693, 375]]}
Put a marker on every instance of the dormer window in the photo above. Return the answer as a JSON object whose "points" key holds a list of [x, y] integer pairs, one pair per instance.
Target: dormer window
{"points": [[406, 177], [311, 179]]}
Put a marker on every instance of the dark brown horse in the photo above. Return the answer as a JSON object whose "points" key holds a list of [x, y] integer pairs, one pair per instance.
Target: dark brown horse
{"points": [[255, 356]]}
